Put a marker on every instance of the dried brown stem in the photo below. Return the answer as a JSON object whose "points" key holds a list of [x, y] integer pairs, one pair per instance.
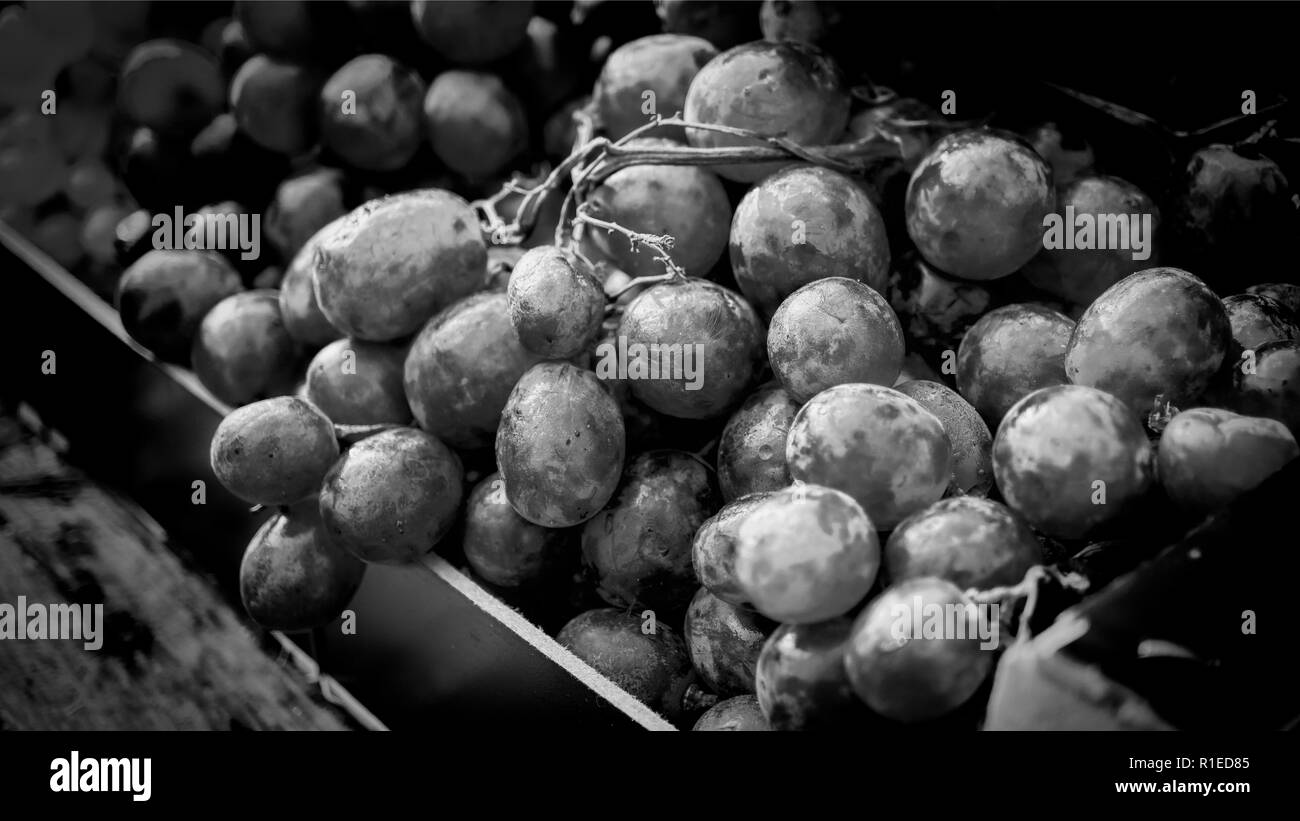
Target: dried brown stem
{"points": [[659, 244]]}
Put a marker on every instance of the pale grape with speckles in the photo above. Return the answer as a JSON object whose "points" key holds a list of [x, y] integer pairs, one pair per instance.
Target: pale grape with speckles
{"points": [[1210, 456], [783, 89], [806, 554], [976, 204], [971, 542], [879, 446], [920, 678], [1056, 444], [803, 224], [831, 332], [1158, 335]]}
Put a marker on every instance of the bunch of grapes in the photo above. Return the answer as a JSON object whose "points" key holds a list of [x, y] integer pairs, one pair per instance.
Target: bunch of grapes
{"points": [[734, 358]]}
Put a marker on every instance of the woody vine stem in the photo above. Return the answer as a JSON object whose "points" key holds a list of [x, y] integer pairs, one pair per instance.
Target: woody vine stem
{"points": [[594, 158]]}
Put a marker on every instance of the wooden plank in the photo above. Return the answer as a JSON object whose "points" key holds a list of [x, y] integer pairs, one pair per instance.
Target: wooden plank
{"points": [[174, 654]]}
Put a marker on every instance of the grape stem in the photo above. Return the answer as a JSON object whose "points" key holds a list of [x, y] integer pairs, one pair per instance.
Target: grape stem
{"points": [[659, 244], [595, 158]]}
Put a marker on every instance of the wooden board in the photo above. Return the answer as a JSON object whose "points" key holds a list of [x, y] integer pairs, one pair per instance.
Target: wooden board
{"points": [[174, 654]]}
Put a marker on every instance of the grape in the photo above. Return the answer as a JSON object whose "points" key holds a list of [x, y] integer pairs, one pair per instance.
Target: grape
{"points": [[292, 577], [723, 24], [560, 445], [164, 295], [99, 232], [508, 550], [972, 444], [170, 86], [976, 204], [273, 452], [58, 235], [751, 452], [30, 174], [877, 445], [1209, 456], [687, 203], [379, 127], [807, 553], [476, 125], [971, 542], [359, 383], [1272, 388], [918, 678], [1233, 215], [1158, 335], [1062, 446], [831, 332], [394, 262], [713, 551], [724, 642], [652, 665], [1283, 292], [1079, 276], [298, 308], [461, 368], [556, 306], [791, 90], [302, 206], [242, 351], [1009, 353], [661, 64], [472, 32], [803, 224], [91, 184], [738, 713], [692, 313], [1257, 320], [391, 497], [274, 104], [639, 548], [935, 311], [801, 681]]}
